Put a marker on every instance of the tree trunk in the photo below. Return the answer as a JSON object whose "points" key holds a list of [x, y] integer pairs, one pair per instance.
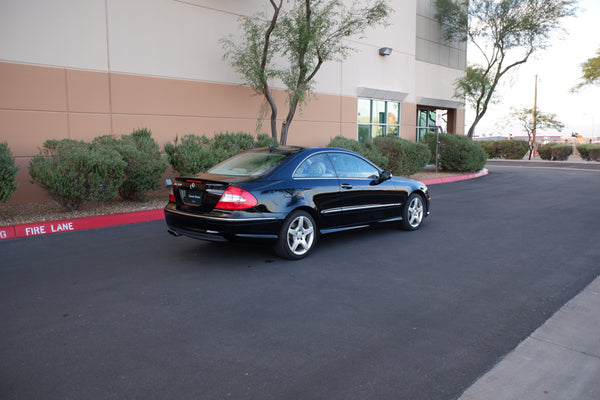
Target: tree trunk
{"points": [[273, 106], [471, 132], [285, 126]]}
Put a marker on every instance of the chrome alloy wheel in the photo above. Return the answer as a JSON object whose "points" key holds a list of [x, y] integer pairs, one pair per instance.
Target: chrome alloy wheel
{"points": [[297, 236], [300, 235], [415, 212]]}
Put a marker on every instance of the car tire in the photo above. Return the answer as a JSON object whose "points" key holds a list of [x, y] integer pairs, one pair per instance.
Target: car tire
{"points": [[413, 213], [297, 237]]}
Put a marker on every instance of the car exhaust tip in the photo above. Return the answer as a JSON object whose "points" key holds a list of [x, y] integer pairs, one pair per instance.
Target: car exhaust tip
{"points": [[172, 232]]}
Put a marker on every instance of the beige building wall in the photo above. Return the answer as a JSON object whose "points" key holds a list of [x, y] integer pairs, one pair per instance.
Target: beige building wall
{"points": [[79, 69], [39, 103]]}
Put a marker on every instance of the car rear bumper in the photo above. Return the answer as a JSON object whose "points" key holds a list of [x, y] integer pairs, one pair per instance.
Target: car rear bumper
{"points": [[222, 226]]}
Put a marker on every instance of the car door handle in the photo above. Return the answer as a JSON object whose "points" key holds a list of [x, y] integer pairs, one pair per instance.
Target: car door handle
{"points": [[346, 186]]}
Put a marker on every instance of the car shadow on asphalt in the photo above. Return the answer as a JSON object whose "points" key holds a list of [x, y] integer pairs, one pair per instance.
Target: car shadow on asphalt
{"points": [[254, 253]]}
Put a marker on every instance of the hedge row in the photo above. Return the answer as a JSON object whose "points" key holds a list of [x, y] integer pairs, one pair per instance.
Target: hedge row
{"points": [[400, 156], [8, 173], [405, 157], [74, 172], [555, 151], [507, 149], [589, 152], [193, 153], [456, 153]]}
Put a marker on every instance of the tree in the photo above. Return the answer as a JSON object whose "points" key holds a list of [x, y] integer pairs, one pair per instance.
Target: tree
{"points": [[301, 39], [505, 32], [542, 121], [590, 72]]}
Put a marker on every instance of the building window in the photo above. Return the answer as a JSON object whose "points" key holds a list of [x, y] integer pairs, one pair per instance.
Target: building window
{"points": [[430, 120], [430, 46], [377, 118]]}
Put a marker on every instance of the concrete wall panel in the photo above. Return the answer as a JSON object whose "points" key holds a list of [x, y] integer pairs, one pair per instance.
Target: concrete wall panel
{"points": [[27, 87], [70, 33], [88, 91], [26, 131]]}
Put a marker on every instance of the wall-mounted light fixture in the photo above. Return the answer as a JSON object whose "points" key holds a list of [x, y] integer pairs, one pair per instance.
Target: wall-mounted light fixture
{"points": [[385, 51]]}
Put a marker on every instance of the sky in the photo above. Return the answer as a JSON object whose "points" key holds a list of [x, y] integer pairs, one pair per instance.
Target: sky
{"points": [[558, 69]]}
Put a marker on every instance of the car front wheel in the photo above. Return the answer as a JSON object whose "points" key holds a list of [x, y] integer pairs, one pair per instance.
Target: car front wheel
{"points": [[413, 213], [297, 237]]}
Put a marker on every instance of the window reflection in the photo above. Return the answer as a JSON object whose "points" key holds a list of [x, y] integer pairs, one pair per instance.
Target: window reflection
{"points": [[378, 112], [364, 111], [377, 118], [393, 113]]}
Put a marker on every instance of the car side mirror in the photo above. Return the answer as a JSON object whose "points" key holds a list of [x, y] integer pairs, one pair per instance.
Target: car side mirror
{"points": [[384, 176]]}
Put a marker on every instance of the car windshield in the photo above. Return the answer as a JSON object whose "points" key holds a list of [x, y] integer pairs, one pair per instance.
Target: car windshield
{"points": [[248, 164]]}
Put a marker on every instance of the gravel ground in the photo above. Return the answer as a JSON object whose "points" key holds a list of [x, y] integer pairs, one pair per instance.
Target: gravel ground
{"points": [[14, 214]]}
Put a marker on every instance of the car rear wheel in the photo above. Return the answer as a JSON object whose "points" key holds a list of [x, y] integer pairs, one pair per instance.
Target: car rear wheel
{"points": [[413, 213], [297, 237]]}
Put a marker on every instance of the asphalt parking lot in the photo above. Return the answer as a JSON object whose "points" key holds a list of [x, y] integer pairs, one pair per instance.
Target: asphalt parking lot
{"points": [[131, 312]]}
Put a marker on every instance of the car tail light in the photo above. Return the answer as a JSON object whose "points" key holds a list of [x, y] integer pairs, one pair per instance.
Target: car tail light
{"points": [[236, 199], [172, 195]]}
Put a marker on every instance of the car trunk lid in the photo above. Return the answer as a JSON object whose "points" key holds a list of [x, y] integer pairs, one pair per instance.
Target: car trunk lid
{"points": [[198, 195]]}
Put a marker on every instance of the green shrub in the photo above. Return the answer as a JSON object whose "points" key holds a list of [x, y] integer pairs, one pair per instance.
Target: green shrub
{"points": [[456, 153], [405, 157], [545, 151], [512, 149], [8, 173], [73, 172], [367, 149], [145, 164], [555, 151], [226, 144], [191, 155], [589, 152], [264, 140], [582, 149], [195, 153], [490, 147], [507, 149]]}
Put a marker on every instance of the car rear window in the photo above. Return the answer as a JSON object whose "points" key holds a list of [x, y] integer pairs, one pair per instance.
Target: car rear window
{"points": [[248, 164]]}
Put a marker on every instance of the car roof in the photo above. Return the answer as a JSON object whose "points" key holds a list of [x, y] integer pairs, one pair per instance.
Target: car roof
{"points": [[298, 149]]}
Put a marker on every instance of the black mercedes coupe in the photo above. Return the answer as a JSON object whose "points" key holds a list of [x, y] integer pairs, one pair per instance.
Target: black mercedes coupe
{"points": [[292, 195]]}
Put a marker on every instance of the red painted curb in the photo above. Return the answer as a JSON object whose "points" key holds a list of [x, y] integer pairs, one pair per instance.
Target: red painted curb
{"points": [[76, 224], [455, 178], [102, 221]]}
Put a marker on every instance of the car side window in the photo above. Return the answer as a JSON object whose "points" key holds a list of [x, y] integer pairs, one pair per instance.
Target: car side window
{"points": [[349, 166], [317, 166]]}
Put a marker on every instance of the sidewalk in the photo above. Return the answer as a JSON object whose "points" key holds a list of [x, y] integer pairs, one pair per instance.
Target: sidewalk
{"points": [[559, 361]]}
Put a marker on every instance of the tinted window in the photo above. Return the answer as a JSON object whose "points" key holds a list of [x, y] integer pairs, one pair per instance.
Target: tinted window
{"points": [[248, 164], [317, 166], [349, 166]]}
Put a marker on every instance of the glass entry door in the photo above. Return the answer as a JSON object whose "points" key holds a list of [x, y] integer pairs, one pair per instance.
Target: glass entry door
{"points": [[426, 122]]}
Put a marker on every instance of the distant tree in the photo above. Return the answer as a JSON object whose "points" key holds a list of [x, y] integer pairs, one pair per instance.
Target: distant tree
{"points": [[505, 32], [301, 39], [542, 121], [590, 72]]}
